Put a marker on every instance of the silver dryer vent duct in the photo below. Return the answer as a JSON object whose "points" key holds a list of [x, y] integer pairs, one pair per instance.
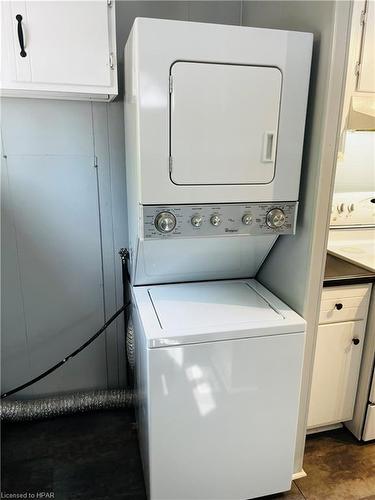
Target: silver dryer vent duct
{"points": [[65, 404]]}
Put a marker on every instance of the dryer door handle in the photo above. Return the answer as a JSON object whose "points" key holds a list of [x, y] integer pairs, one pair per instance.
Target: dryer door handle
{"points": [[268, 153]]}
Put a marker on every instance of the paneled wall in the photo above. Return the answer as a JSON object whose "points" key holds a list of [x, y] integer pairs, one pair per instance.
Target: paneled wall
{"points": [[64, 220]]}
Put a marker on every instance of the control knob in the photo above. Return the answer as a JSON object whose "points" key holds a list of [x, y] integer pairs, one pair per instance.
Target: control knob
{"points": [[340, 208], [165, 222], [247, 219], [275, 218], [196, 220], [215, 220]]}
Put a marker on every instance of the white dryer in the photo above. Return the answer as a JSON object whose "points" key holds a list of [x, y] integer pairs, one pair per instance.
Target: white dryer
{"points": [[214, 124], [214, 127]]}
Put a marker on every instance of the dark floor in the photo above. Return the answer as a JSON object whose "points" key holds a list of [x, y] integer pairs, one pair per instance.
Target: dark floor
{"points": [[96, 456]]}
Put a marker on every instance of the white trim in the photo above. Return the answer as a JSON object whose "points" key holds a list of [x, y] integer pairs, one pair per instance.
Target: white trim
{"points": [[331, 122], [299, 475], [323, 428]]}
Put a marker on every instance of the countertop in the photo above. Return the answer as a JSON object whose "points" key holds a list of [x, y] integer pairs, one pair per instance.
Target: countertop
{"points": [[340, 272]]}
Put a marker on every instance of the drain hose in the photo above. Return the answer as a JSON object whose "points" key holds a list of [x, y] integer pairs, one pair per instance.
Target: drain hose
{"points": [[65, 404], [77, 402]]}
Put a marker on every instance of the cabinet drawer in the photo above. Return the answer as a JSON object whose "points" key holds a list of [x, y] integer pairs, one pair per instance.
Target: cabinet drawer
{"points": [[344, 303]]}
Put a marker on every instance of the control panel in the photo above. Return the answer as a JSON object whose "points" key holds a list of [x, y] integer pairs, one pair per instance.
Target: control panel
{"points": [[353, 209], [189, 221]]}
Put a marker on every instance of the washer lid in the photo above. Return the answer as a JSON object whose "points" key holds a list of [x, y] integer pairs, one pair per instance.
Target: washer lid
{"points": [[192, 305], [211, 311]]}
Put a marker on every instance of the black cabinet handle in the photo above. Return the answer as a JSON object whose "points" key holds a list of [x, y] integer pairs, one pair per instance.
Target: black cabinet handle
{"points": [[338, 306], [20, 35], [355, 341]]}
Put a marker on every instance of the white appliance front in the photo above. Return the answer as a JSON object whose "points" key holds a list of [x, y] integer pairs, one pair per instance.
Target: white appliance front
{"points": [[224, 122], [166, 261], [215, 120], [214, 363], [214, 113]]}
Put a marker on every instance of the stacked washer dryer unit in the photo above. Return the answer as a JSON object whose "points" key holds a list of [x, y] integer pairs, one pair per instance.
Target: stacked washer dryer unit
{"points": [[214, 131]]}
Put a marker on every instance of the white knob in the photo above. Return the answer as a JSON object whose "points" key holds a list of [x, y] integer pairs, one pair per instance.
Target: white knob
{"points": [[215, 220], [275, 218], [247, 219], [351, 207], [340, 208], [196, 220], [165, 222]]}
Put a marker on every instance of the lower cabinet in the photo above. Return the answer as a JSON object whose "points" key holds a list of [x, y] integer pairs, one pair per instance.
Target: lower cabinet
{"points": [[338, 354]]}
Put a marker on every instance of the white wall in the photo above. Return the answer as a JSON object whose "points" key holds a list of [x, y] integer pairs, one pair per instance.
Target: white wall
{"points": [[355, 169]]}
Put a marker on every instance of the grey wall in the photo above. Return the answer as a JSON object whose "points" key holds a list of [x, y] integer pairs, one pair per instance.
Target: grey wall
{"points": [[315, 17], [64, 220]]}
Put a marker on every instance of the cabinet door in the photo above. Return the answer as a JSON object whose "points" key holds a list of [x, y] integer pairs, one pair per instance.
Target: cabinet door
{"points": [[68, 47], [335, 374], [68, 42], [366, 77]]}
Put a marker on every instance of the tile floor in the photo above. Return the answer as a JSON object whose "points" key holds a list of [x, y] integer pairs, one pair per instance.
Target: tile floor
{"points": [[96, 457]]}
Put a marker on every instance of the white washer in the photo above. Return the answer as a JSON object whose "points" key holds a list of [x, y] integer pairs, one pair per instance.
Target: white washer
{"points": [[218, 372]]}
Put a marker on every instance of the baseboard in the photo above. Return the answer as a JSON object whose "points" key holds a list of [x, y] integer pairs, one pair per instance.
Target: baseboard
{"points": [[324, 428], [298, 475]]}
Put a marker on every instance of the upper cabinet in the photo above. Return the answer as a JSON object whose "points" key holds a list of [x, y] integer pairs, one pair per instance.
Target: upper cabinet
{"points": [[359, 101], [61, 49]]}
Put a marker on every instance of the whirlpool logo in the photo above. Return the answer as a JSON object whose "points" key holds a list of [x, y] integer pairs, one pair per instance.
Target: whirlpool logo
{"points": [[231, 230]]}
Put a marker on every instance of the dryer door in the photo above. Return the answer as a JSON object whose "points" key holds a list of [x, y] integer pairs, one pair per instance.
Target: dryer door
{"points": [[223, 123]]}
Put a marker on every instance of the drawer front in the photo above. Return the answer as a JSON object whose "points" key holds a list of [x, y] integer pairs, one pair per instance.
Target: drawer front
{"points": [[344, 303]]}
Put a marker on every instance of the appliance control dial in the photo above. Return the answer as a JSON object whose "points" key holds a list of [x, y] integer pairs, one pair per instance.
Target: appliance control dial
{"points": [[275, 218], [165, 222], [340, 208], [197, 220], [215, 220], [247, 219]]}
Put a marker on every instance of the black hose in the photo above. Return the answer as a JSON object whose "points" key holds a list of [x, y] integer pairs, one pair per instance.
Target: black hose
{"points": [[125, 276]]}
